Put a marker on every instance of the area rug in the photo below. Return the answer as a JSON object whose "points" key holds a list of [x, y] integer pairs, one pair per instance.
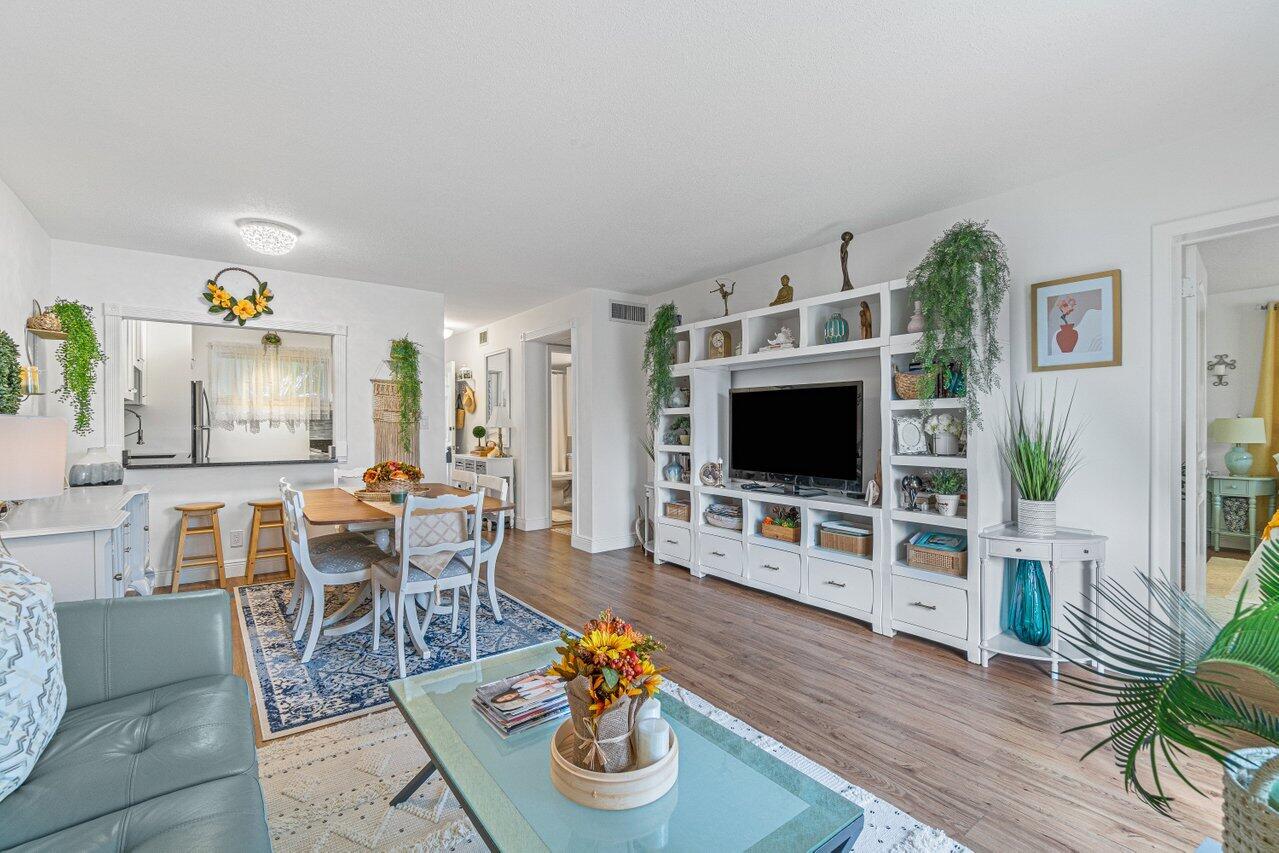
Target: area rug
{"points": [[329, 790], [345, 676]]}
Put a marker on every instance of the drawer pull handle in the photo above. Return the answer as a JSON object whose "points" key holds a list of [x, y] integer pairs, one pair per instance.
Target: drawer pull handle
{"points": [[771, 568], [717, 553], [836, 583], [147, 528], [671, 542], [128, 548], [119, 576], [1018, 550], [923, 605], [1086, 551]]}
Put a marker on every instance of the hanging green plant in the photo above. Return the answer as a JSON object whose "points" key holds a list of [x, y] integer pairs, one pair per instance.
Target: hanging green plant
{"points": [[10, 376], [80, 354], [659, 355], [408, 383], [960, 286]]}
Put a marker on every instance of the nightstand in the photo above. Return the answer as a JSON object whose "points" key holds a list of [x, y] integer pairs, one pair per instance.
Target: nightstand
{"points": [[1223, 523]]}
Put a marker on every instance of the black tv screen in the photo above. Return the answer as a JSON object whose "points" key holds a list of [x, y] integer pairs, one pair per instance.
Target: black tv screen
{"points": [[798, 431]]}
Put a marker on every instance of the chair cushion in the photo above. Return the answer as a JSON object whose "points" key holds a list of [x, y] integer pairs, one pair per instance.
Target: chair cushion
{"points": [[339, 553], [429, 567], [486, 545], [33, 696], [225, 814], [121, 752]]}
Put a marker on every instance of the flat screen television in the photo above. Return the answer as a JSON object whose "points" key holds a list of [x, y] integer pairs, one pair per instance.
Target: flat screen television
{"points": [[802, 434]]}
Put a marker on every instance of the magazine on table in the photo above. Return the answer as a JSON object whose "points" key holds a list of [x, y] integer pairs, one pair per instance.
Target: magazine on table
{"points": [[521, 701]]}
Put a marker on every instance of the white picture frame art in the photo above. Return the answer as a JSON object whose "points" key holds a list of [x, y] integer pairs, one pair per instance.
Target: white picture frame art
{"points": [[910, 437], [1076, 322]]}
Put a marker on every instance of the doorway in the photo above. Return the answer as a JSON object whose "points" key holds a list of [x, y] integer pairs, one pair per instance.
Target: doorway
{"points": [[560, 396], [553, 467]]}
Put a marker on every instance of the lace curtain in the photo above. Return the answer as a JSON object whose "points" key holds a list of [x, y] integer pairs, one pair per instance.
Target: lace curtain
{"points": [[252, 386]]}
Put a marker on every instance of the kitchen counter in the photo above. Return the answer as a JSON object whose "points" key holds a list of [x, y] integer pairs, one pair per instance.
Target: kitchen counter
{"points": [[151, 464], [77, 510]]}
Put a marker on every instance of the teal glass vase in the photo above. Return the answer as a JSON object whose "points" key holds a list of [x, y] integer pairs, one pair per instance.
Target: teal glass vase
{"points": [[1030, 607], [835, 331]]}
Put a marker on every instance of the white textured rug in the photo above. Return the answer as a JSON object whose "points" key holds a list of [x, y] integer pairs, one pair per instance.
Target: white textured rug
{"points": [[328, 789]]}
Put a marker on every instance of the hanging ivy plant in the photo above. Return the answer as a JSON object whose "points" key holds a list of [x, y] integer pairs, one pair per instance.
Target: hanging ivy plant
{"points": [[659, 355], [80, 354], [10, 376], [960, 286], [408, 382]]}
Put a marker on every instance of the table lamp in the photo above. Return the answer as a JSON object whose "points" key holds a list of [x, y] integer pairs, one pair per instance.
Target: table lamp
{"points": [[33, 459], [500, 420], [1238, 431]]}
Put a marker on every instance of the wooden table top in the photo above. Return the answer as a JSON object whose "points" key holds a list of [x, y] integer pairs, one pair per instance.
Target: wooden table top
{"points": [[338, 506]]}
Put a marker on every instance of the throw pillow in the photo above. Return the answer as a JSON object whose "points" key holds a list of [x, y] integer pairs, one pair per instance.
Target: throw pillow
{"points": [[33, 696]]}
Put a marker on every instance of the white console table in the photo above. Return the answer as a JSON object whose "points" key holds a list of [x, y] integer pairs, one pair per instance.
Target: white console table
{"points": [[1067, 548]]}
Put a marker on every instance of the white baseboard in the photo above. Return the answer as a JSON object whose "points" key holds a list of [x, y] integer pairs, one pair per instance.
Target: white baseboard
{"points": [[600, 545], [540, 523], [234, 569]]}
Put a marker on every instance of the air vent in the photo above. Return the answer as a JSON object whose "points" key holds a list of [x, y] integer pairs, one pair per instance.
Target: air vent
{"points": [[622, 312], [484, 337]]}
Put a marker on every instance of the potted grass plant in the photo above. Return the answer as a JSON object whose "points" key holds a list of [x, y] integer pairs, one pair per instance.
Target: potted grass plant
{"points": [[947, 484], [1182, 683], [1040, 446]]}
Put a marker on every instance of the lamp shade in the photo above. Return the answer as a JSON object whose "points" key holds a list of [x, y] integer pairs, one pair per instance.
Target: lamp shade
{"points": [[1238, 430], [501, 418], [33, 457]]}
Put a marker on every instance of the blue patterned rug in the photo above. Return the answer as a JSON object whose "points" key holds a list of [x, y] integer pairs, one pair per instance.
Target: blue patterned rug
{"points": [[345, 677]]}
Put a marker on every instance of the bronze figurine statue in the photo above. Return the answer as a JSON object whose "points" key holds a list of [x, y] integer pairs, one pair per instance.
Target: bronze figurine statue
{"points": [[785, 293], [847, 237], [863, 314], [724, 293]]}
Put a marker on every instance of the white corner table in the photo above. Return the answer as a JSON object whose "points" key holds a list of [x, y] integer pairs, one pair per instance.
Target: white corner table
{"points": [[1069, 546]]}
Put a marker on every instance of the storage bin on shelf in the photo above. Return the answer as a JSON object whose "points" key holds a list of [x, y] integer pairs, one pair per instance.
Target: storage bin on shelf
{"points": [[678, 510], [944, 553], [845, 537]]}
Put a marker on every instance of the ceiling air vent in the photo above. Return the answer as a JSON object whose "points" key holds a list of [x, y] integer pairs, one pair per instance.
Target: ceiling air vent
{"points": [[622, 312], [484, 336]]}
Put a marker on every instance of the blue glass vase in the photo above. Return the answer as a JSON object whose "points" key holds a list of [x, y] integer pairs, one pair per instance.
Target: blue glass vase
{"points": [[1030, 608]]}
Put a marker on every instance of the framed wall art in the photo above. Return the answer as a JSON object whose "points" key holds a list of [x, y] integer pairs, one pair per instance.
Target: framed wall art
{"points": [[1076, 322]]}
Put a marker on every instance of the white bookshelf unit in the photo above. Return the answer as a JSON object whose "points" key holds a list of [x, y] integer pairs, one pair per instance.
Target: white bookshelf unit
{"points": [[880, 589]]}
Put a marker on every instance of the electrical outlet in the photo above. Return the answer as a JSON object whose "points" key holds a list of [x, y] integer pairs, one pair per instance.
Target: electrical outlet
{"points": [[237, 538]]}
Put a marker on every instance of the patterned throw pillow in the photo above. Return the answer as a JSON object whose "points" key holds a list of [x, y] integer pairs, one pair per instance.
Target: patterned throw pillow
{"points": [[33, 696]]}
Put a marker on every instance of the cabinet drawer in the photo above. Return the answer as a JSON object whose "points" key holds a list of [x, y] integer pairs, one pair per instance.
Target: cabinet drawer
{"points": [[720, 554], [930, 605], [674, 541], [1237, 488], [1080, 553], [775, 567], [848, 586], [1021, 550]]}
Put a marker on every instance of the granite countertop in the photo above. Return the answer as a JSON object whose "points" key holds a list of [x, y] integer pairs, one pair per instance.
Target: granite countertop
{"points": [[74, 511]]}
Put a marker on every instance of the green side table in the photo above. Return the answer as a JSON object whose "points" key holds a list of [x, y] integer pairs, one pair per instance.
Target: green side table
{"points": [[1230, 486]]}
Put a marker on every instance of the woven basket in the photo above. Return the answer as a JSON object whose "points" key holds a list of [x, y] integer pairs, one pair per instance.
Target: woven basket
{"points": [[906, 384], [1249, 824], [943, 562], [781, 534], [677, 510], [44, 320], [846, 542]]}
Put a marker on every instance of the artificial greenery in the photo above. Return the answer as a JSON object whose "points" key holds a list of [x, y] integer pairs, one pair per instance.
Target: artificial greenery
{"points": [[80, 354], [1040, 448], [479, 432], [947, 481], [1174, 687], [408, 384], [659, 355], [10, 376], [960, 286]]}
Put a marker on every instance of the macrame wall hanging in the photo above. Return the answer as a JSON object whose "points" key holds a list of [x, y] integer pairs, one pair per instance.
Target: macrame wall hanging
{"points": [[386, 426]]}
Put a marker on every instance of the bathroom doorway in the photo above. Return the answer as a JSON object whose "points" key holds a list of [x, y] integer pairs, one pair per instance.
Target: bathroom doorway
{"points": [[560, 398]]}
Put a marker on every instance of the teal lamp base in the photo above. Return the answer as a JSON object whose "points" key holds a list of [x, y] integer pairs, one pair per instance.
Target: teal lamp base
{"points": [[1238, 461]]}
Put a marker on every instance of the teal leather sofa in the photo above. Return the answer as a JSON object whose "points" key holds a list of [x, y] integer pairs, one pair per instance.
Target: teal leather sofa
{"points": [[155, 751]]}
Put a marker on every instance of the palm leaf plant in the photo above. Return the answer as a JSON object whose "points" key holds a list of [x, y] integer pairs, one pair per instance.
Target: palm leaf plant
{"points": [[1174, 685], [960, 286], [659, 355], [1040, 446]]}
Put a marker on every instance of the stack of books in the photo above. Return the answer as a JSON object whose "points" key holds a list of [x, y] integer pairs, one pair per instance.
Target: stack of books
{"points": [[521, 702]]}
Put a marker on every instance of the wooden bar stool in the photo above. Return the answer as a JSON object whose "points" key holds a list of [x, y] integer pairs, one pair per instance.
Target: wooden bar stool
{"points": [[255, 535], [202, 510]]}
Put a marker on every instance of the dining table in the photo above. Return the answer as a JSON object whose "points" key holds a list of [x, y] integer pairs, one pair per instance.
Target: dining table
{"points": [[334, 506]]}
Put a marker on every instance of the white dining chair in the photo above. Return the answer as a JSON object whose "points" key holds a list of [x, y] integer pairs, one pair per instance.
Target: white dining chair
{"points": [[435, 555], [323, 561], [464, 479], [497, 487], [352, 479]]}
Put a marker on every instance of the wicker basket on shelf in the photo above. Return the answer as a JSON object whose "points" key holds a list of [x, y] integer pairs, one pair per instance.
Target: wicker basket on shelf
{"points": [[932, 560], [907, 384], [42, 319], [848, 543], [780, 533], [678, 510], [1249, 823]]}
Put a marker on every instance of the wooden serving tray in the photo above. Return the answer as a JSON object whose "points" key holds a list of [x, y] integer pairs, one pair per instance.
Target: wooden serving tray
{"points": [[378, 495], [629, 789]]}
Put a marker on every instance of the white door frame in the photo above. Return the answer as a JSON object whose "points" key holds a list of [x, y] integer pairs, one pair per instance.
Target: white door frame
{"points": [[544, 488], [1167, 379]]}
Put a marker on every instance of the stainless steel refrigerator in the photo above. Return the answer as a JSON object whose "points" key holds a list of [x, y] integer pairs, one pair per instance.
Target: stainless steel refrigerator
{"points": [[201, 419]]}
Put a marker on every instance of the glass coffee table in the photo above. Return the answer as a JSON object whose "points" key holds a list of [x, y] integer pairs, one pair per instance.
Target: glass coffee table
{"points": [[731, 795]]}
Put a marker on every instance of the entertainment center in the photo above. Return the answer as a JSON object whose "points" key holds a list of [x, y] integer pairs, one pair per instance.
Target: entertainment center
{"points": [[881, 588]]}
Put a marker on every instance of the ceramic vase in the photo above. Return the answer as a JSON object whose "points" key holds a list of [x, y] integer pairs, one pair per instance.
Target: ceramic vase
{"points": [[945, 444], [836, 329], [1037, 518], [673, 472], [948, 504], [681, 352], [916, 323], [1030, 611]]}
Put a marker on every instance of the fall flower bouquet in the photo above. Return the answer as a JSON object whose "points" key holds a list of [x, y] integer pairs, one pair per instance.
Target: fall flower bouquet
{"points": [[382, 476], [609, 675]]}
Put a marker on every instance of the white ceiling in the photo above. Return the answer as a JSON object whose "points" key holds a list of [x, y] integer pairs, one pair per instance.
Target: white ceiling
{"points": [[1242, 262], [507, 154]]}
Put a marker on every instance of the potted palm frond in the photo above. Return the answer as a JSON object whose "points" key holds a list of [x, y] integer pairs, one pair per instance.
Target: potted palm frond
{"points": [[1186, 684], [1041, 449]]}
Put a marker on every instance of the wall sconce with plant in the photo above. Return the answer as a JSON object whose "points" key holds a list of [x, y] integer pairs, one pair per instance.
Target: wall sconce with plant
{"points": [[79, 355], [406, 374], [659, 355]]}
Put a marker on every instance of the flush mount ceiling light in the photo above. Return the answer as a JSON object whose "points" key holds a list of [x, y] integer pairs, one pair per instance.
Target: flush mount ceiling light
{"points": [[267, 237]]}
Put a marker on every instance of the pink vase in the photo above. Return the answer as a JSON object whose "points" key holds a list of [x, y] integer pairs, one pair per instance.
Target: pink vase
{"points": [[1067, 337]]}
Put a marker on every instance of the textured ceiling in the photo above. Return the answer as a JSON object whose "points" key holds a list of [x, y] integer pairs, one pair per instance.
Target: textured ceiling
{"points": [[1243, 262], [507, 154]]}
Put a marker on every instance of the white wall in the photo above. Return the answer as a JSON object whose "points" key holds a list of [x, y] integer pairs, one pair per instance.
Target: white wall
{"points": [[372, 313], [611, 468], [166, 417], [24, 268], [1097, 219], [1236, 327]]}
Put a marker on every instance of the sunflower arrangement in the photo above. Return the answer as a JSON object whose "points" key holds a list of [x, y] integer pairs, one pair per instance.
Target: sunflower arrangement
{"points": [[220, 300], [613, 658], [391, 471]]}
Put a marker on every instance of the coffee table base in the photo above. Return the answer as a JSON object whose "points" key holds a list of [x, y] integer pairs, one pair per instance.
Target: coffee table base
{"points": [[843, 841], [416, 782]]}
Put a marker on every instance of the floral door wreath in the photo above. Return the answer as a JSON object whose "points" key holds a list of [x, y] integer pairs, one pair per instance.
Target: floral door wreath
{"points": [[220, 299]]}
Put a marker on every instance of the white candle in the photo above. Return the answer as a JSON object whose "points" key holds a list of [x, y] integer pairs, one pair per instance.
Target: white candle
{"points": [[652, 740], [651, 709]]}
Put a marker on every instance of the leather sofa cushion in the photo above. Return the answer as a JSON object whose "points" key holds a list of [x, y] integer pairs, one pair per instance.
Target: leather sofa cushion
{"points": [[223, 815], [115, 754]]}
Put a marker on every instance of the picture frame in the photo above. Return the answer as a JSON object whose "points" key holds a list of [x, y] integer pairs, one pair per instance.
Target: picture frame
{"points": [[910, 437], [1077, 322]]}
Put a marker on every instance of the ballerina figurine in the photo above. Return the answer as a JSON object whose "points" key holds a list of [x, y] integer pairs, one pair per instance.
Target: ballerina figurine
{"points": [[724, 293]]}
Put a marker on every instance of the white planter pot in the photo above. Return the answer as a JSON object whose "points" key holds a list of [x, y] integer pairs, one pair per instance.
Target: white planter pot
{"points": [[948, 504], [1037, 518], [945, 444], [681, 352]]}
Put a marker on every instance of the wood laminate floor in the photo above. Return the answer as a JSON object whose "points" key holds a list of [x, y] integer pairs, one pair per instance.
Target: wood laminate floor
{"points": [[977, 752]]}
